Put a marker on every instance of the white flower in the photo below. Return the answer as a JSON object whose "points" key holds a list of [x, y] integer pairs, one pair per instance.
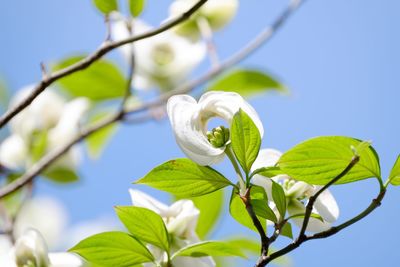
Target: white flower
{"points": [[181, 220], [49, 113], [13, 152], [45, 214], [296, 193], [218, 13], [189, 122], [31, 250], [164, 60]]}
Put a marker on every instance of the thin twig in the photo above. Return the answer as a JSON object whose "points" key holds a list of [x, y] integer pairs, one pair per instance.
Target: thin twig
{"points": [[207, 35], [47, 160], [105, 48]]}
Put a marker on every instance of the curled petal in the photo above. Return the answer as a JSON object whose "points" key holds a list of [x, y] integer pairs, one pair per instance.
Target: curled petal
{"points": [[185, 216], [296, 207], [13, 152], [326, 206], [267, 157], [31, 248], [183, 111]]}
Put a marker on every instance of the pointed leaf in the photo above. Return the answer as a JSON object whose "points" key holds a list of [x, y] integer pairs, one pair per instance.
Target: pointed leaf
{"points": [[210, 248], [394, 176], [279, 198], [113, 249], [145, 225], [287, 230], [106, 6], [184, 178], [317, 161], [61, 175], [136, 7], [246, 140]]}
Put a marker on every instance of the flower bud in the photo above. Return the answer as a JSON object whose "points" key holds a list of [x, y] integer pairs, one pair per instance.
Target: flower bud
{"points": [[218, 137], [31, 250]]}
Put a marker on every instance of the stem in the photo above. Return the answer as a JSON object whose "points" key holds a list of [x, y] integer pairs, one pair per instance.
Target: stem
{"points": [[229, 153], [207, 34]]}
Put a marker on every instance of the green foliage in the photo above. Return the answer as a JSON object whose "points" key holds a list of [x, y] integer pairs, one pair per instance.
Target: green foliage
{"points": [[210, 248], [394, 176], [106, 6], [246, 140], [268, 172], [262, 209], [247, 82], [184, 178], [319, 160], [136, 7], [38, 145], [113, 249], [278, 195], [145, 225], [287, 230], [61, 175], [210, 206], [98, 140], [101, 81], [238, 210]]}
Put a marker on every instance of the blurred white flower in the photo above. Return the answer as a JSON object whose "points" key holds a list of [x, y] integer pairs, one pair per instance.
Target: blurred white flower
{"points": [[297, 193], [48, 113], [217, 13], [31, 250], [165, 60], [189, 122], [181, 220], [45, 214]]}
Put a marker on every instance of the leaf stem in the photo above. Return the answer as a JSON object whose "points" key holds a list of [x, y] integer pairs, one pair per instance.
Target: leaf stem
{"points": [[231, 156]]}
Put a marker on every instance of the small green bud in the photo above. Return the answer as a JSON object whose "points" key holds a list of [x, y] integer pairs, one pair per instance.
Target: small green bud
{"points": [[218, 137]]}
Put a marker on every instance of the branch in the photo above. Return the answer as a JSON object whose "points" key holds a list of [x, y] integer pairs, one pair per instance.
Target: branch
{"points": [[249, 208], [253, 45], [333, 230], [105, 48]]}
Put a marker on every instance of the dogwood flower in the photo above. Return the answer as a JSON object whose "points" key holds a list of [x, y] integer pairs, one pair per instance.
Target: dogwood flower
{"points": [[181, 220], [49, 113], [217, 14], [162, 61], [189, 120], [31, 250], [297, 193]]}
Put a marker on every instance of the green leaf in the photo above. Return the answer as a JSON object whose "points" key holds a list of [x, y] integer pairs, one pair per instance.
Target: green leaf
{"points": [[136, 7], [106, 6], [101, 81], [249, 245], [247, 82], [319, 160], [238, 210], [287, 230], [210, 207], [184, 178], [210, 248], [61, 175], [113, 249], [394, 176], [246, 140], [38, 145], [98, 140], [279, 198], [145, 225], [268, 172], [262, 209]]}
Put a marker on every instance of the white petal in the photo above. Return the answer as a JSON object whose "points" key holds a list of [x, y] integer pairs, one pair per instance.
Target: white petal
{"points": [[295, 207], [64, 259], [143, 200], [326, 206], [184, 219], [193, 262], [267, 157], [183, 111], [13, 152], [31, 247], [225, 105], [299, 189]]}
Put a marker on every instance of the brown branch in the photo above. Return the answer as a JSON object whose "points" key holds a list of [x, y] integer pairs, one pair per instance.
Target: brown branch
{"points": [[254, 44], [106, 47]]}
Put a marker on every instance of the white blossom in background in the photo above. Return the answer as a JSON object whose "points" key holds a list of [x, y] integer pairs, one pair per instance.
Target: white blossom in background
{"points": [[50, 113], [216, 13], [181, 220], [189, 120], [45, 214], [30, 249], [297, 194], [164, 61]]}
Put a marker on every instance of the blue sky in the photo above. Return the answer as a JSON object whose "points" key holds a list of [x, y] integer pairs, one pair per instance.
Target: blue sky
{"points": [[339, 58]]}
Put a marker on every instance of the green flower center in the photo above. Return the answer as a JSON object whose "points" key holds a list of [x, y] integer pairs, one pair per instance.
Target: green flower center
{"points": [[163, 54], [218, 137]]}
